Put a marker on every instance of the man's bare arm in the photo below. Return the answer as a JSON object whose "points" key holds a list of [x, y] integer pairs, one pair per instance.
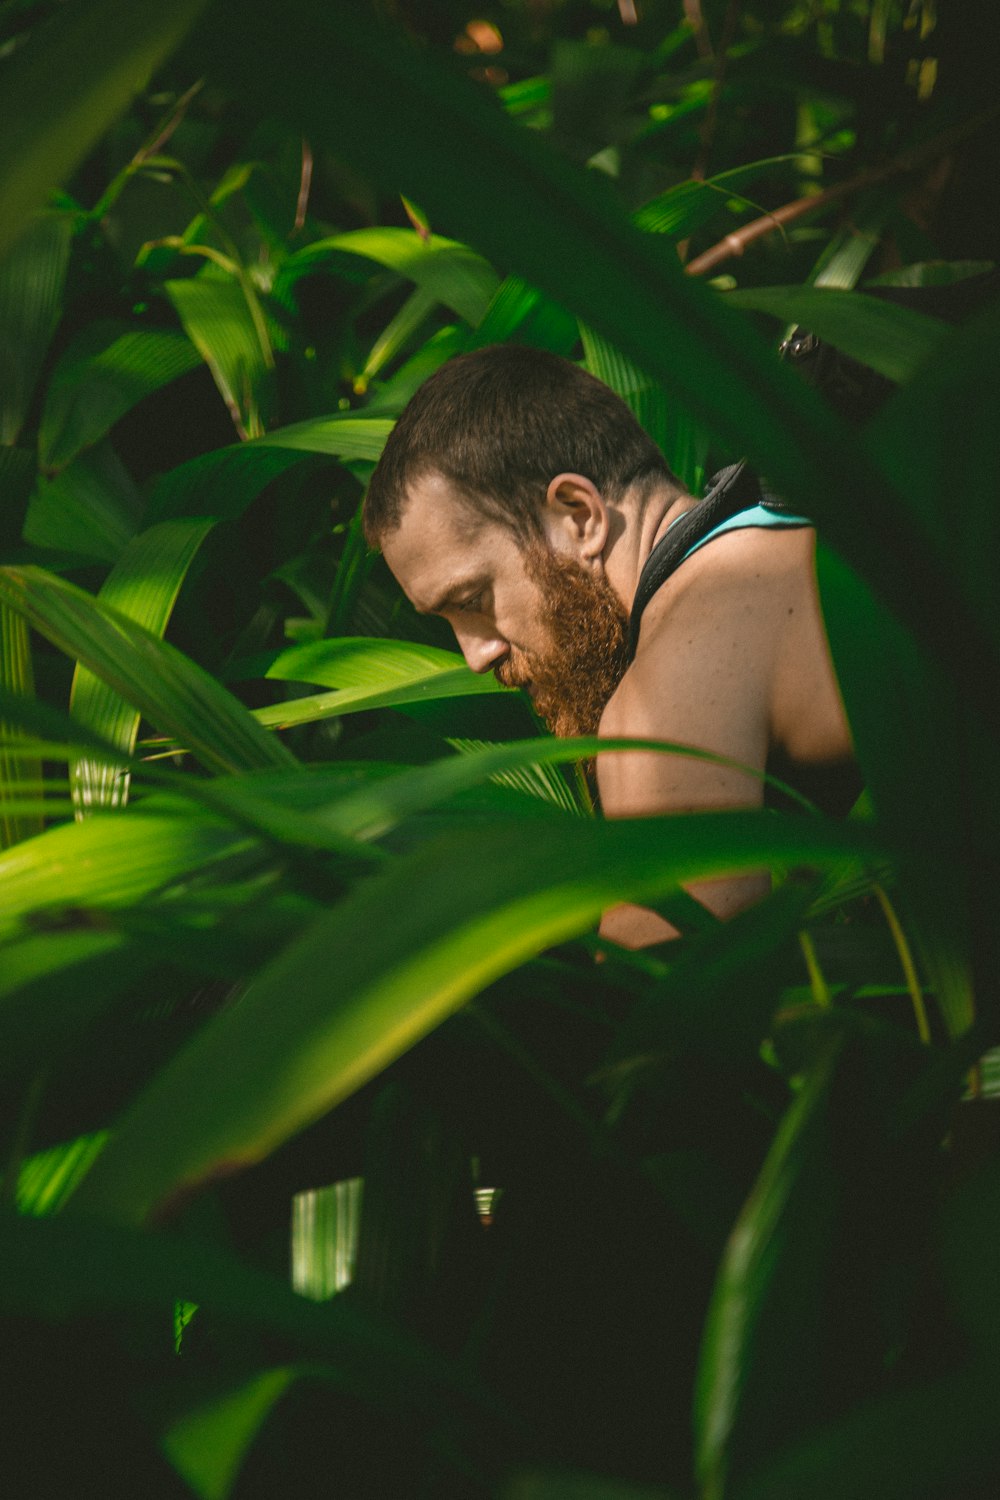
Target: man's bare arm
{"points": [[702, 677]]}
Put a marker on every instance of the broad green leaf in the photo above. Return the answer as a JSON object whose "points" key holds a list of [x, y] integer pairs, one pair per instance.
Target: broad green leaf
{"points": [[91, 508], [452, 273], [220, 322], [108, 862], [441, 923], [338, 436], [563, 232], [521, 312], [935, 438], [893, 340], [330, 807], [358, 661], [673, 430], [369, 674], [222, 483], [32, 277], [106, 371], [68, 83], [144, 585], [458, 683], [207, 1446], [171, 691], [17, 774]]}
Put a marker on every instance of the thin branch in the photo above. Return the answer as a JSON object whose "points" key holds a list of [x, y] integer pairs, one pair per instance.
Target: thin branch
{"points": [[180, 109], [305, 182], [734, 245], [695, 19]]}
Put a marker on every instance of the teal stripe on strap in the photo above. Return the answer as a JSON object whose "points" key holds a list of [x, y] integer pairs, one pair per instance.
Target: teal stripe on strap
{"points": [[756, 515]]}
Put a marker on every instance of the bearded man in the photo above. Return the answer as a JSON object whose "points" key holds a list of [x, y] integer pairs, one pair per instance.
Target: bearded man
{"points": [[518, 498]]}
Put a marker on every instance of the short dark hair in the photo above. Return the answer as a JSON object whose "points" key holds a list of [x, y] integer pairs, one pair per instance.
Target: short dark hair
{"points": [[498, 424]]}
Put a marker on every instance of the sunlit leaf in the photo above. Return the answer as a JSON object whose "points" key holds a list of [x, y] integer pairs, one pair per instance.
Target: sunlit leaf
{"points": [[465, 908], [144, 585], [338, 436], [16, 773], [169, 689], [452, 273], [220, 323], [106, 863]]}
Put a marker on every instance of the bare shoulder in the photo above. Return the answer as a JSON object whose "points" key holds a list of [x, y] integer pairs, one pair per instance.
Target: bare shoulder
{"points": [[716, 629]]}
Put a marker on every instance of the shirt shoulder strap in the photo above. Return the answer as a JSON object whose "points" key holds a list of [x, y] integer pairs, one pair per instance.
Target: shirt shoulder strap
{"points": [[732, 490]]}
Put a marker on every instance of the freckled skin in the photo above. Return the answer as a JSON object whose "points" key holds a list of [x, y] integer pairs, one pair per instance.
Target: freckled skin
{"points": [[732, 654]]}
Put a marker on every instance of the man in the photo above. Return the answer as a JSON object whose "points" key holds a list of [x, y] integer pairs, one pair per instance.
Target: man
{"points": [[518, 498]]}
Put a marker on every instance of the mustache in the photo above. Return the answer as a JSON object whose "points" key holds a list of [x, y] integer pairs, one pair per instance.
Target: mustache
{"points": [[510, 674]]}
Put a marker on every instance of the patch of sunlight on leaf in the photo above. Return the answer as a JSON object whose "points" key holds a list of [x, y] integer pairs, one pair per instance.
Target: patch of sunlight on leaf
{"points": [[325, 1226], [48, 1178]]}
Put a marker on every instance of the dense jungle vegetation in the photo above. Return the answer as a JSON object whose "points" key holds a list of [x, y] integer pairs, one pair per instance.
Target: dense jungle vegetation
{"points": [[333, 1162]]}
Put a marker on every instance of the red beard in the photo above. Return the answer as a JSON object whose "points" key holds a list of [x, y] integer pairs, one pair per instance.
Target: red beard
{"points": [[571, 681]]}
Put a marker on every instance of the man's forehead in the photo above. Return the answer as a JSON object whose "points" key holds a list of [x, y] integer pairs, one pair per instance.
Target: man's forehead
{"points": [[434, 500], [439, 549]]}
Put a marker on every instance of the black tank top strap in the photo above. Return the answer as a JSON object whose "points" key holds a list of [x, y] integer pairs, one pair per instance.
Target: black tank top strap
{"points": [[730, 491]]}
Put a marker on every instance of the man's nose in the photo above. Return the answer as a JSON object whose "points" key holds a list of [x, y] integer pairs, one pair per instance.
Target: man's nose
{"points": [[481, 651]]}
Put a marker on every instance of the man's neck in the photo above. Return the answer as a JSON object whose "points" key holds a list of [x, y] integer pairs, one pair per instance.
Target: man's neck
{"points": [[641, 526]]}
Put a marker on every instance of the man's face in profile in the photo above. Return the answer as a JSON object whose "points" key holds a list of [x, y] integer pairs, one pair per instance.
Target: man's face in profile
{"points": [[534, 617]]}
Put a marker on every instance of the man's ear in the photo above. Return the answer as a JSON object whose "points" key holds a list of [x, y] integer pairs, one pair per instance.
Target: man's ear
{"points": [[576, 517]]}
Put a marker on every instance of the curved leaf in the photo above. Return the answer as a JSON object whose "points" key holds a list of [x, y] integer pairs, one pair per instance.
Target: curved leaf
{"points": [[219, 321], [332, 1011], [106, 371], [17, 772], [108, 862], [893, 340], [338, 436], [177, 696], [450, 272], [144, 585], [91, 508]]}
